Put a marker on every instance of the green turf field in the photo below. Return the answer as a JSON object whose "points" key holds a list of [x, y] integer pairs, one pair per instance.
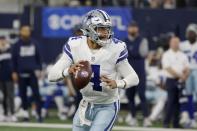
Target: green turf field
{"points": [[56, 128], [52, 123], [3, 128]]}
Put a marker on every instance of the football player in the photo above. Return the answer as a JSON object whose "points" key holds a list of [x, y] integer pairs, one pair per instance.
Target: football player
{"points": [[108, 57], [189, 47]]}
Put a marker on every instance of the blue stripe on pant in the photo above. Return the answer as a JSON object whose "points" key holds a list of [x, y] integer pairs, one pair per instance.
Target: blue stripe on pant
{"points": [[116, 105], [102, 116]]}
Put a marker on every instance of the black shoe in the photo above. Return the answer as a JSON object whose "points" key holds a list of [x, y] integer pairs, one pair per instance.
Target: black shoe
{"points": [[166, 126], [25, 119], [40, 119]]}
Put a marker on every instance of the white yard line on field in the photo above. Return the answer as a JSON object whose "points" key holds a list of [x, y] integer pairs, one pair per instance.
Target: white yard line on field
{"points": [[69, 126]]}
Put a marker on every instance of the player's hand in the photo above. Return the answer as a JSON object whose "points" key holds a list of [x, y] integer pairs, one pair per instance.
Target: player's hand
{"points": [[15, 77], [75, 67], [38, 74], [185, 75], [111, 83], [183, 78]]}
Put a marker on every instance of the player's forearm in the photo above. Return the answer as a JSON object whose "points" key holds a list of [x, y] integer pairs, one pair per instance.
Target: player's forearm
{"points": [[172, 72], [129, 81], [130, 78], [60, 69], [55, 74], [185, 75], [187, 72], [143, 49]]}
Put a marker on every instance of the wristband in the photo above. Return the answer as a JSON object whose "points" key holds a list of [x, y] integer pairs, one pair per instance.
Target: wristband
{"points": [[121, 84], [65, 73]]}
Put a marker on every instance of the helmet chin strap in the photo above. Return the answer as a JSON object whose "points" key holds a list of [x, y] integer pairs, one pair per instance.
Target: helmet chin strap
{"points": [[103, 42], [98, 42], [84, 32]]}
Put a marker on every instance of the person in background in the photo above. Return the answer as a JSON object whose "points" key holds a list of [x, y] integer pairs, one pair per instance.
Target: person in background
{"points": [[2, 117], [189, 47], [26, 68], [137, 51], [155, 92], [169, 4], [6, 83], [176, 70]]}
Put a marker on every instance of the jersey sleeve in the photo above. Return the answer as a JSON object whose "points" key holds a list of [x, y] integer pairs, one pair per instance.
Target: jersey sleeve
{"points": [[72, 43], [129, 75], [67, 50], [62, 65], [165, 61], [186, 61], [123, 53], [56, 72]]}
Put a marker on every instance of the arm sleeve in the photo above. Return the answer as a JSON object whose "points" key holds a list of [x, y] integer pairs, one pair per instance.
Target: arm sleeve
{"points": [[14, 58], [123, 54], [38, 57], [130, 78], [143, 49], [165, 62], [60, 67], [186, 62]]}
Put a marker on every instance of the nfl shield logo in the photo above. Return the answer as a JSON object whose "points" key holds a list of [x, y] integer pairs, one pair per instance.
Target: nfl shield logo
{"points": [[92, 58]]}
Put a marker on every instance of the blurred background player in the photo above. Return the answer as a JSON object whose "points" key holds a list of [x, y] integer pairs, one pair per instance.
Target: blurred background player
{"points": [[176, 67], [137, 50], [189, 47], [27, 64], [6, 82], [155, 92]]}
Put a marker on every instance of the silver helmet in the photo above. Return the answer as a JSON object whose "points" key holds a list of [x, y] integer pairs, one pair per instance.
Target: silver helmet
{"points": [[92, 21]]}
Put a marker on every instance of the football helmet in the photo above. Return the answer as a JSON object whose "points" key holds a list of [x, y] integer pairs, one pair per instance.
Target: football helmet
{"points": [[94, 20]]}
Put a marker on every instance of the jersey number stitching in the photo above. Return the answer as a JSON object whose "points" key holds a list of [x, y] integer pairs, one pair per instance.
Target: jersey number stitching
{"points": [[96, 78]]}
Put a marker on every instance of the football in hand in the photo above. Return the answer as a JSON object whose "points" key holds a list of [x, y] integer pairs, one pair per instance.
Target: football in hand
{"points": [[82, 77]]}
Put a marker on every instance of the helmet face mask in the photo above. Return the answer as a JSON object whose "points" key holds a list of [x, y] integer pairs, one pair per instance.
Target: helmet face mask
{"points": [[104, 34], [97, 26]]}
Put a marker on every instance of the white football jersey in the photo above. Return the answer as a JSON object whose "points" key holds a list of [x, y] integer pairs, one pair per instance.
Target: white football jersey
{"points": [[103, 62], [191, 52]]}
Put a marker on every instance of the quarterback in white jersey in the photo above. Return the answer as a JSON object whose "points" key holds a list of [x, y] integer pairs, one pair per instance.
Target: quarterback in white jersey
{"points": [[108, 58]]}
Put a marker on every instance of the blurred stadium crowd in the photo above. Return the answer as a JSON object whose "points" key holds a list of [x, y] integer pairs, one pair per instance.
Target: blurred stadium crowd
{"points": [[25, 90], [153, 4]]}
